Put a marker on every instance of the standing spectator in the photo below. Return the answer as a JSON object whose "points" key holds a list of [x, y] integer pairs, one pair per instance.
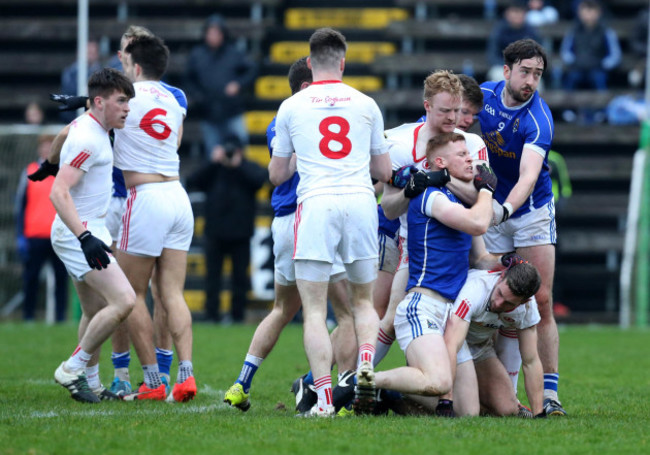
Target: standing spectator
{"points": [[511, 28], [216, 75], [34, 216], [639, 46], [230, 182], [69, 76], [590, 49]]}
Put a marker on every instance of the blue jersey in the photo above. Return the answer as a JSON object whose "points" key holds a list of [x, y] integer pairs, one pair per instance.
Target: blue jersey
{"points": [[284, 198], [119, 187], [386, 226], [506, 131], [438, 254]]}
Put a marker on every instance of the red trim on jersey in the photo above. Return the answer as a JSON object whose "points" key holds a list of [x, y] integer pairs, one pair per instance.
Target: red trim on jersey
{"points": [[296, 223], [126, 219], [80, 159], [482, 154], [416, 132], [95, 119], [463, 309], [508, 333], [332, 81]]}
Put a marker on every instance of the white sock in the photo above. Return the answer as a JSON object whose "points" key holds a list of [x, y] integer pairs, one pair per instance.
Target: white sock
{"points": [[78, 360], [151, 376], [324, 390], [507, 349], [92, 376]]}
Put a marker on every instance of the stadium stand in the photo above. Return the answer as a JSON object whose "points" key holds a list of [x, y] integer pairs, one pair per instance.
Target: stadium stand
{"points": [[393, 46]]}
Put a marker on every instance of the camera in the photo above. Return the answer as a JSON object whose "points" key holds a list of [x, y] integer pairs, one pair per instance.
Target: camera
{"points": [[230, 149]]}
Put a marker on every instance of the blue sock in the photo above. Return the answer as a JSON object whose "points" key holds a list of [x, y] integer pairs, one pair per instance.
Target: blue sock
{"points": [[551, 380], [309, 379], [121, 359], [251, 364], [164, 358]]}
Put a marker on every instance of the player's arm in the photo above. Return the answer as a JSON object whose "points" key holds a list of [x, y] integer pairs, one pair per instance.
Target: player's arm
{"points": [[381, 168], [455, 333], [479, 258], [474, 220], [532, 368], [281, 168], [529, 169], [67, 178]]}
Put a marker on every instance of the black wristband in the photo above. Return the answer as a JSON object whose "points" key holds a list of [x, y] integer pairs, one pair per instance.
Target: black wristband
{"points": [[84, 235]]}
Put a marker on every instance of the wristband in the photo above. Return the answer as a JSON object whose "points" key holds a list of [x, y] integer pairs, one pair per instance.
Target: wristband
{"points": [[84, 235], [507, 210]]}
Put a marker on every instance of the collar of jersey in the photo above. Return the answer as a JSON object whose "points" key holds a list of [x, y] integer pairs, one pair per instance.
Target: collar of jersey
{"points": [[326, 82], [416, 132], [95, 119]]}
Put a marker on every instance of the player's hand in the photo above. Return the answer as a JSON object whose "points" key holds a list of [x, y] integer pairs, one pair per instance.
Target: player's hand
{"points": [[438, 178], [95, 251], [445, 408], [44, 171], [416, 184], [69, 102], [510, 259], [500, 213], [401, 177], [485, 178]]}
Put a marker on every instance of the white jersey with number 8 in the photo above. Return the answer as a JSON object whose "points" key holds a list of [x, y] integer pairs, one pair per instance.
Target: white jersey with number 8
{"points": [[152, 126], [333, 129]]}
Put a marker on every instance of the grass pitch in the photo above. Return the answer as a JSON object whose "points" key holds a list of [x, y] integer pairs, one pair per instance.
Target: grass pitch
{"points": [[604, 385]]}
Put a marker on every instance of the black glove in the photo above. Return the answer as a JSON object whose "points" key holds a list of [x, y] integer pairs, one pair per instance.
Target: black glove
{"points": [[445, 408], [44, 171], [541, 415], [401, 177], [438, 178], [94, 250], [485, 178], [69, 102], [416, 184], [510, 259]]}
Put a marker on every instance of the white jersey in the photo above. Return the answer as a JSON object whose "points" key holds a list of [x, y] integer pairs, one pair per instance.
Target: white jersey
{"points": [[88, 148], [149, 141], [472, 305], [333, 130], [402, 142]]}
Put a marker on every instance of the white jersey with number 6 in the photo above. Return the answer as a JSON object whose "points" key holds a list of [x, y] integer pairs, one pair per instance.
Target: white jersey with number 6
{"points": [[152, 126], [347, 127]]}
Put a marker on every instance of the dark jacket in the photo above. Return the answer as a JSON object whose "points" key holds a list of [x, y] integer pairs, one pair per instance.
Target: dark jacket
{"points": [[590, 49], [230, 197], [502, 35], [208, 72]]}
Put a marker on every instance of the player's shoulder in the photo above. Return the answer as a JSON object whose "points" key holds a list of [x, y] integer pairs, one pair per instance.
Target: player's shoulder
{"points": [[490, 88], [403, 131], [178, 94]]}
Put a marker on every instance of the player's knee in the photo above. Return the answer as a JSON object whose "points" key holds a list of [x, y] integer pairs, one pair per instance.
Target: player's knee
{"points": [[437, 386], [126, 302]]}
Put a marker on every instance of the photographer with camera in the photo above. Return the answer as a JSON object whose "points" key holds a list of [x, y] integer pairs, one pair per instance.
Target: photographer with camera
{"points": [[230, 183]]}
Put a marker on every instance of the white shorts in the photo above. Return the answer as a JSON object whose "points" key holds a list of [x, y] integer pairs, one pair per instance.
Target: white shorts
{"points": [[419, 315], [403, 253], [156, 216], [68, 248], [536, 227], [282, 232], [388, 253], [483, 351], [328, 224], [114, 217]]}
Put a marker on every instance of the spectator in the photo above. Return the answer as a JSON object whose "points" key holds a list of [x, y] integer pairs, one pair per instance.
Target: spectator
{"points": [[216, 76], [540, 13], [589, 51], [230, 182], [511, 28], [639, 47], [34, 216], [34, 114], [69, 76]]}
